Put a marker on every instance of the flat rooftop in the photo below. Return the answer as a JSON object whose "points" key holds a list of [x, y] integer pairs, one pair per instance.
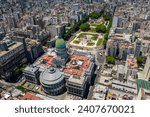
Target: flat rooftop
{"points": [[10, 48], [77, 80], [99, 92], [119, 95], [31, 68]]}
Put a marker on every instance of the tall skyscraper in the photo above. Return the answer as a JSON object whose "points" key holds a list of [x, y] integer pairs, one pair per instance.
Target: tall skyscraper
{"points": [[138, 45]]}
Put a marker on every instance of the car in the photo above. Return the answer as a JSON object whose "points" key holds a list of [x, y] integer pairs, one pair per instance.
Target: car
{"points": [[37, 88]]}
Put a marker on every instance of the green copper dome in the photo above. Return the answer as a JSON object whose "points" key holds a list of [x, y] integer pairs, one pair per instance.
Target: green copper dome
{"points": [[60, 43]]}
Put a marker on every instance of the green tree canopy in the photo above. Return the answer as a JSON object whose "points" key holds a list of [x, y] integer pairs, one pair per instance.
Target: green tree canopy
{"points": [[139, 60], [107, 17], [94, 15], [67, 34], [104, 42], [110, 60], [106, 36], [101, 28], [84, 20], [85, 27]]}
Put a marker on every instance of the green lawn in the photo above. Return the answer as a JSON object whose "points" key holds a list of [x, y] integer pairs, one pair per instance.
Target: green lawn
{"points": [[99, 42], [94, 38], [83, 34], [96, 23], [90, 44], [22, 89], [92, 30], [76, 41]]}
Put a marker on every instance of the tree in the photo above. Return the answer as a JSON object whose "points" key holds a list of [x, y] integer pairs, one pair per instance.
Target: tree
{"points": [[101, 28], [17, 72], [110, 60], [139, 60], [85, 27], [84, 20], [67, 34], [22, 67], [104, 42], [94, 15], [75, 27], [106, 36], [107, 17], [21, 88]]}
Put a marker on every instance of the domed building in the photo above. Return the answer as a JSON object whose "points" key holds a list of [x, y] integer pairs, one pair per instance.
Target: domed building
{"points": [[61, 52], [52, 81], [60, 43]]}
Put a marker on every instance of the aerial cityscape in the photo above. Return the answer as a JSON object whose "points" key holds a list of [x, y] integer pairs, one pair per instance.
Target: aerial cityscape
{"points": [[74, 49]]}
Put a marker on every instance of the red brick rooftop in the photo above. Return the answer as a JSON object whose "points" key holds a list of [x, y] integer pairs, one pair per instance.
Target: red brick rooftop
{"points": [[48, 59], [29, 96], [71, 68], [74, 69]]}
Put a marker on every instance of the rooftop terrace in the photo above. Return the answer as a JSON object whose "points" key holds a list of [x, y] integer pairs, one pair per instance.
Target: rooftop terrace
{"points": [[77, 65]]}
